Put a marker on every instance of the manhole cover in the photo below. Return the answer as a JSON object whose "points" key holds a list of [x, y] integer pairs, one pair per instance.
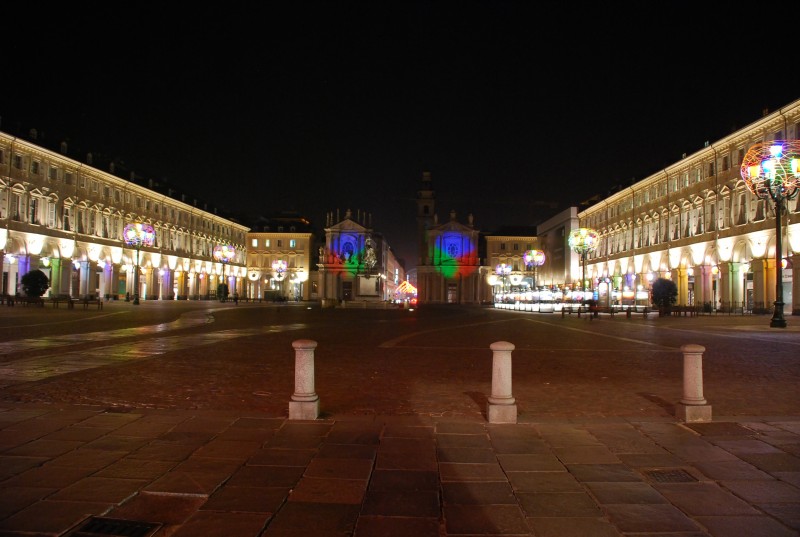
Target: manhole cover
{"points": [[111, 527], [673, 475]]}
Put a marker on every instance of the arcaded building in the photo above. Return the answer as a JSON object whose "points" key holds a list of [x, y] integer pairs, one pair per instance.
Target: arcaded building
{"points": [[697, 223], [66, 218]]}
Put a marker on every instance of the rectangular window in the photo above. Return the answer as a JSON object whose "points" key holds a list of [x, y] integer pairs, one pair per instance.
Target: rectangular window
{"points": [[106, 192], [280, 243], [725, 165], [67, 219], [2, 157], [138, 202], [128, 198], [51, 214], [254, 243], [516, 247], [502, 246], [68, 178], [292, 243], [34, 211], [35, 167], [18, 162], [83, 182], [267, 243], [147, 205], [53, 173], [94, 186]]}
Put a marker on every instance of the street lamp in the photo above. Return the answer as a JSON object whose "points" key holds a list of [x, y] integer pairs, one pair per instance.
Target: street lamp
{"points": [[533, 258], [137, 235], [279, 267], [503, 271], [223, 253], [582, 241], [771, 170]]}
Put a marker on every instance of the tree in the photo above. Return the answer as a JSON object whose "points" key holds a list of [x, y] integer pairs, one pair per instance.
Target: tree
{"points": [[35, 283], [665, 294]]}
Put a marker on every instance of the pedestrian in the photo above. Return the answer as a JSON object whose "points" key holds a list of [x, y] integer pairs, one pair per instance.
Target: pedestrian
{"points": [[236, 298]]}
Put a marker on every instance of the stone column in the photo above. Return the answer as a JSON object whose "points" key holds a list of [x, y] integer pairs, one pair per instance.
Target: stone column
{"points": [[23, 267], [795, 261], [166, 284], [693, 407], [680, 276], [737, 283], [702, 285], [86, 281], [64, 276], [501, 407], [305, 402], [770, 275], [760, 296], [113, 286]]}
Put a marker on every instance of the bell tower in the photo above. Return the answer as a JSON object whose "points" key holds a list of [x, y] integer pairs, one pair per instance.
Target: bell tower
{"points": [[426, 205]]}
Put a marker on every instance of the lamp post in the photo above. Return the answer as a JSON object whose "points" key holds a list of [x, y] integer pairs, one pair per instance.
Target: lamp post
{"points": [[137, 235], [533, 258], [279, 267], [223, 253], [503, 271], [771, 170], [582, 241]]}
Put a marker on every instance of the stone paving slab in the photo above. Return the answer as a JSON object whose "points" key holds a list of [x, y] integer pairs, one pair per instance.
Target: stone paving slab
{"points": [[194, 478], [564, 470]]}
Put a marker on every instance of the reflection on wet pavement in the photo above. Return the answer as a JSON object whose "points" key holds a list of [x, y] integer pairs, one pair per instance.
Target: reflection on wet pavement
{"points": [[37, 368], [187, 320]]}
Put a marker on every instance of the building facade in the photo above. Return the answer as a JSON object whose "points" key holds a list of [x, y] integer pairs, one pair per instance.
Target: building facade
{"points": [[356, 264], [67, 218], [449, 269], [697, 223], [279, 259], [507, 274]]}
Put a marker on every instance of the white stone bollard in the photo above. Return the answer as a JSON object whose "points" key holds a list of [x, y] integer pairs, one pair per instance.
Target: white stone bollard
{"points": [[501, 407], [305, 402], [693, 407]]}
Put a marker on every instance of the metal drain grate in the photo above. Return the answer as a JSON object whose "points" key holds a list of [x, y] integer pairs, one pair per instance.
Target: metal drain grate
{"points": [[675, 475], [111, 527]]}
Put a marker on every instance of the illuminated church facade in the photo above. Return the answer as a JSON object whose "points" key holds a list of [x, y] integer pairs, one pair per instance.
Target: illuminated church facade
{"points": [[449, 268], [356, 264]]}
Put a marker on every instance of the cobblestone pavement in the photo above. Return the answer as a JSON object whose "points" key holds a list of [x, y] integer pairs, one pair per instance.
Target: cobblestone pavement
{"points": [[175, 415]]}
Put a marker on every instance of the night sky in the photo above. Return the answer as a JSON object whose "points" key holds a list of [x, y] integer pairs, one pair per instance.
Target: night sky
{"points": [[312, 107]]}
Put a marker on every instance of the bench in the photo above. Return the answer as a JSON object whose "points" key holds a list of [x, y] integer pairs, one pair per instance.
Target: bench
{"points": [[94, 302], [683, 311], [70, 302], [629, 311]]}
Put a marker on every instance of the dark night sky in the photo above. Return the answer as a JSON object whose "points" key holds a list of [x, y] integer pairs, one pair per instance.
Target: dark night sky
{"points": [[329, 105]]}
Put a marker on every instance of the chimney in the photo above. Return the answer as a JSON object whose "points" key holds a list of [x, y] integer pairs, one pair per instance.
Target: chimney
{"points": [[89, 159], [33, 134], [63, 148]]}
